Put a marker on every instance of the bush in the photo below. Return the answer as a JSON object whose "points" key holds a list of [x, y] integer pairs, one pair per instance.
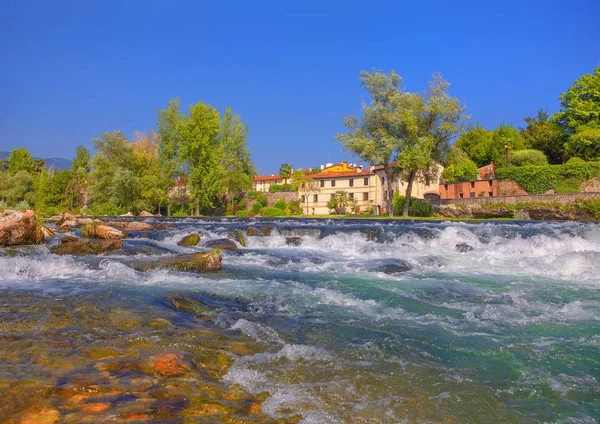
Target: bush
{"points": [[417, 207], [277, 188], [562, 178], [295, 207], [575, 160], [23, 205], [242, 204], [262, 200], [527, 157], [253, 195], [179, 214], [280, 204], [3, 205], [591, 206], [465, 172], [107, 209], [242, 213], [51, 211], [257, 207], [271, 212]]}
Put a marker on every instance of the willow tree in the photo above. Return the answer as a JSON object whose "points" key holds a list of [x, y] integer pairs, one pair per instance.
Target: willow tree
{"points": [[369, 137], [202, 152]]}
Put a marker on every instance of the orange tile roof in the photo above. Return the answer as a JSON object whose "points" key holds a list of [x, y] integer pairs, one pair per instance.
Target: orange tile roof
{"points": [[267, 178], [363, 173]]}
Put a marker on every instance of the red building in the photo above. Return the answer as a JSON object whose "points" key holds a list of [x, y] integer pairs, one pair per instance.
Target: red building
{"points": [[485, 186]]}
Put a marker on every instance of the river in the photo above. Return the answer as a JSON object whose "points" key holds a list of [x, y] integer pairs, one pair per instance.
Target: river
{"points": [[353, 321]]}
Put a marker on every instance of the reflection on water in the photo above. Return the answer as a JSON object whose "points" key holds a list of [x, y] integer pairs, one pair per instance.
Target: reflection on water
{"points": [[350, 321]]}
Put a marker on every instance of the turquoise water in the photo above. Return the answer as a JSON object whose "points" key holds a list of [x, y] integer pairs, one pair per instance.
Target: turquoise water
{"points": [[379, 321]]}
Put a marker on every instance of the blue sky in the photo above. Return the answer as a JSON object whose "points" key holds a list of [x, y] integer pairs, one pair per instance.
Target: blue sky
{"points": [[73, 69]]}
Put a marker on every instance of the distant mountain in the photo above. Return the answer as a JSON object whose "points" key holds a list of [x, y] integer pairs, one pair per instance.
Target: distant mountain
{"points": [[58, 163]]}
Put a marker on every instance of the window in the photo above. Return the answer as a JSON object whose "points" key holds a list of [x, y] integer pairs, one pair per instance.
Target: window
{"points": [[382, 180], [472, 194], [366, 195], [351, 182], [461, 195], [491, 193], [385, 195], [332, 183], [366, 180], [303, 199], [491, 183], [472, 185], [315, 198], [445, 186], [351, 196], [322, 183]]}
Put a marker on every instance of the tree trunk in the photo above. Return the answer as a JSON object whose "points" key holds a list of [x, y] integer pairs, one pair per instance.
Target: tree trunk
{"points": [[197, 206], [390, 200], [411, 179]]}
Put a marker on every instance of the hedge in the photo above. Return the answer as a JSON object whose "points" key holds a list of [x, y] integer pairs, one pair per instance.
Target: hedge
{"points": [[565, 178]]}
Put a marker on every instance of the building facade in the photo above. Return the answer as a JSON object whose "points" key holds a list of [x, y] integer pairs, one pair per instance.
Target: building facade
{"points": [[263, 182], [486, 185]]}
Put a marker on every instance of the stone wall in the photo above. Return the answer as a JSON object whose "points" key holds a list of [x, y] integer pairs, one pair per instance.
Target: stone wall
{"points": [[288, 196], [564, 198]]}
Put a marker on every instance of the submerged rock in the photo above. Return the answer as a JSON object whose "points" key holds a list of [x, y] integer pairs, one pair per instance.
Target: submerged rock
{"points": [[392, 267], [131, 226], [266, 231], [171, 364], [73, 246], [223, 244], [238, 236], [190, 240], [293, 241], [195, 262], [463, 247], [104, 232], [19, 228]]}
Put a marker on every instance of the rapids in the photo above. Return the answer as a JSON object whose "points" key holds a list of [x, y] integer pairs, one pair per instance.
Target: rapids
{"points": [[370, 321]]}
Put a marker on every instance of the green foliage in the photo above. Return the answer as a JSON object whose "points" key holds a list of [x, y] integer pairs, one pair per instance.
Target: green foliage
{"points": [[276, 188], [23, 205], [51, 211], [575, 159], [3, 205], [237, 166], [285, 171], [294, 207], [81, 160], [585, 142], [280, 204], [252, 195], [546, 135], [242, 213], [460, 166], [271, 212], [179, 214], [580, 103], [591, 207], [16, 188], [338, 201], [477, 144], [20, 160], [256, 207], [527, 157], [417, 207], [107, 208], [261, 199], [561, 178]]}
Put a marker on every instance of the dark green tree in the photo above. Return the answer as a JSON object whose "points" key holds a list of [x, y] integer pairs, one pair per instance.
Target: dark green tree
{"points": [[21, 160]]}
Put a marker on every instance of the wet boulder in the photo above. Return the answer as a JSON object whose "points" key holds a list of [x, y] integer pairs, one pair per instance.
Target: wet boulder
{"points": [[95, 230], [252, 232], [131, 226], [293, 241], [392, 267], [237, 235], [266, 231], [189, 240], [73, 246], [19, 228], [463, 247], [194, 262], [127, 214], [145, 214], [66, 217], [48, 233], [223, 244]]}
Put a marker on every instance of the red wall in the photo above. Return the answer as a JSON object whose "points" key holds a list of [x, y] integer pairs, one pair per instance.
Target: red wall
{"points": [[479, 188]]}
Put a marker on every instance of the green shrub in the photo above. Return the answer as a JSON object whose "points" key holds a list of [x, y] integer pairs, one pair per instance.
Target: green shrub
{"points": [[295, 208], [277, 188], [253, 194], [3, 205], [242, 213], [262, 200], [107, 209], [280, 204], [271, 212], [242, 204], [527, 157], [51, 211], [539, 179], [575, 160], [417, 207], [257, 207], [179, 214], [464, 172], [23, 205], [591, 206], [367, 211]]}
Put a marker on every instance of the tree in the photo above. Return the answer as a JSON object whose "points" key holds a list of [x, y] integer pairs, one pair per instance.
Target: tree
{"points": [[170, 144], [370, 137], [17, 188], [338, 201], [151, 181], [202, 152], [585, 142], [306, 185], [505, 139], [285, 172], [20, 160], [460, 166], [545, 135], [528, 157], [81, 160], [238, 169], [580, 103], [427, 123], [476, 143]]}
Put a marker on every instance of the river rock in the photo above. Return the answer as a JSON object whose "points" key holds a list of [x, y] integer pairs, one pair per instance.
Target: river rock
{"points": [[102, 232], [127, 214], [195, 262], [171, 364], [463, 247], [66, 216], [252, 232], [266, 231], [238, 236], [190, 240], [48, 233], [19, 228], [73, 246], [146, 214], [131, 226], [293, 241], [393, 267], [223, 244]]}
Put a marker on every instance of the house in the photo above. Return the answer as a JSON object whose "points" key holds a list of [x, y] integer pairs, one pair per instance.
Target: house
{"points": [[263, 182], [359, 184], [486, 185]]}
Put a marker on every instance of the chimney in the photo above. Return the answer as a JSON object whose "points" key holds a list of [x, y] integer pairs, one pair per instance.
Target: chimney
{"points": [[328, 164], [322, 167]]}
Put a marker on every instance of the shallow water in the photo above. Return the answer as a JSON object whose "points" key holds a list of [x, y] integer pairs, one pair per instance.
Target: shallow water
{"points": [[496, 322]]}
